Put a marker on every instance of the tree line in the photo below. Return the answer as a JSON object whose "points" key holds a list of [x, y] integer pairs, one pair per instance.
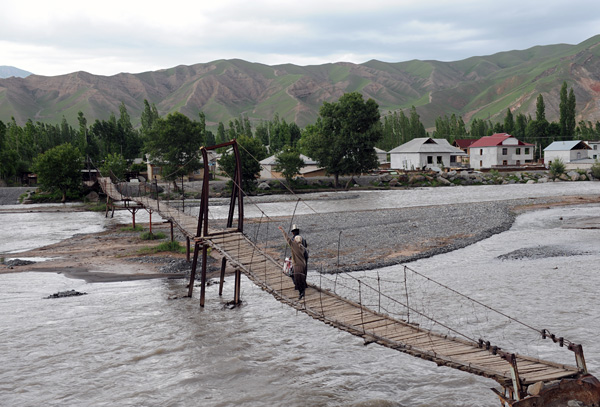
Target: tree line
{"points": [[341, 140]]}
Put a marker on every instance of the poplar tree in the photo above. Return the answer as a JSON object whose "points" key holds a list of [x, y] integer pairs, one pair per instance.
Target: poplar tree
{"points": [[509, 122]]}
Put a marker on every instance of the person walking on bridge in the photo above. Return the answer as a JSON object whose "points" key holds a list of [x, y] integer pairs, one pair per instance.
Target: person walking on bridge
{"points": [[298, 261], [296, 232]]}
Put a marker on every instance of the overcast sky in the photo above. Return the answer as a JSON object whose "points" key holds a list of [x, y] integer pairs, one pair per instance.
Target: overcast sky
{"points": [[108, 37]]}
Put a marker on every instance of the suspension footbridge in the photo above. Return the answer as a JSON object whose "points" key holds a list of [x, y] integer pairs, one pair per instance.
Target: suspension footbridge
{"points": [[514, 372]]}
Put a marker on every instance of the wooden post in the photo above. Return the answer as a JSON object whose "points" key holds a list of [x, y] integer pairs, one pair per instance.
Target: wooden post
{"points": [[222, 279], [193, 271], [514, 373], [236, 292], [187, 248], [172, 239], [203, 276]]}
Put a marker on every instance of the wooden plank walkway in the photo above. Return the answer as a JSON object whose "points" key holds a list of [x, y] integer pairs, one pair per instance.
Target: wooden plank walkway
{"points": [[350, 316], [379, 328]]}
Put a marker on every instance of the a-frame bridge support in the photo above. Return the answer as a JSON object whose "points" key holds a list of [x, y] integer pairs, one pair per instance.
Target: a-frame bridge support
{"points": [[237, 195]]}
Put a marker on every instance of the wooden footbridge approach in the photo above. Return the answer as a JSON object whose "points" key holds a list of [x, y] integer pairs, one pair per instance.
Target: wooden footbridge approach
{"points": [[554, 383]]}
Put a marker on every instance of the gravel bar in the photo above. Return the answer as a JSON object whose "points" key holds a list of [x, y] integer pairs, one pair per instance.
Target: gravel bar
{"points": [[383, 237]]}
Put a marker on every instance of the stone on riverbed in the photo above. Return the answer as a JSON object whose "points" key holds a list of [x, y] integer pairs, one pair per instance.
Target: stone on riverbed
{"points": [[62, 294]]}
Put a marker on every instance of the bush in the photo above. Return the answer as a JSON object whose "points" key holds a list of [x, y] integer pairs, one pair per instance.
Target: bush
{"points": [[557, 167]]}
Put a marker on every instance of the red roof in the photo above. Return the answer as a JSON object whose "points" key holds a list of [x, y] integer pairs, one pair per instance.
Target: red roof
{"points": [[495, 140], [464, 143]]}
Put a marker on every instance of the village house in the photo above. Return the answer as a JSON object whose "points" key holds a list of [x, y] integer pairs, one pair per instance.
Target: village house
{"points": [[425, 152], [595, 146], [310, 169], [573, 153], [499, 150], [464, 145]]}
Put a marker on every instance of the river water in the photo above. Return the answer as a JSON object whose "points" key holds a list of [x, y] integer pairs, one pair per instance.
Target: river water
{"points": [[142, 343]]}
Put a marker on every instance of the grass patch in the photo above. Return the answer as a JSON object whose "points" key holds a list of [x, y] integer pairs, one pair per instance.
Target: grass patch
{"points": [[152, 236], [96, 207], [169, 246], [137, 228]]}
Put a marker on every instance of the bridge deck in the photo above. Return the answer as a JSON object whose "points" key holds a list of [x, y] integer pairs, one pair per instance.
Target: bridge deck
{"points": [[376, 327], [350, 316]]}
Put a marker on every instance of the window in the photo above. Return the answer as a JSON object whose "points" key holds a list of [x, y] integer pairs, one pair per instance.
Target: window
{"points": [[504, 162], [526, 150], [518, 162], [595, 146], [429, 159], [481, 151], [480, 163], [518, 151], [439, 159], [504, 151], [452, 158]]}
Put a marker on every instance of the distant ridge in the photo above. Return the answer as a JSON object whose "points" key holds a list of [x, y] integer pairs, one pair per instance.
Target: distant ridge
{"points": [[8, 71], [477, 87]]}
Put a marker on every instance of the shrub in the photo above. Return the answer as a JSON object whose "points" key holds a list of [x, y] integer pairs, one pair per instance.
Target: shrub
{"points": [[557, 167]]}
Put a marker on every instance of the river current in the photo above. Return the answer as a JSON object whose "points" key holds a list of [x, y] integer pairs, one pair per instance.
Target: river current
{"points": [[143, 343]]}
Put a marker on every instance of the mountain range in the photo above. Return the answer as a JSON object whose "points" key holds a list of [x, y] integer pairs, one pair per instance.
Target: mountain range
{"points": [[478, 87], [8, 71]]}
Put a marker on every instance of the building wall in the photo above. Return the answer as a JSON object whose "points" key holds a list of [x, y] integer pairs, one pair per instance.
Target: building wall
{"points": [[415, 161], [488, 157], [564, 156]]}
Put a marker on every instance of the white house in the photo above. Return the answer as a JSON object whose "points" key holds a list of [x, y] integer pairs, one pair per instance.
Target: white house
{"points": [[566, 151], [595, 147], [420, 153], [267, 167], [573, 153], [499, 150]]}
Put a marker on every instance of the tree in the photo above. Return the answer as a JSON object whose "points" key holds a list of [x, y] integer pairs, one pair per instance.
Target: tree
{"points": [[59, 169], [345, 135], [540, 108], [174, 143], [251, 152], [221, 137], [130, 139], [571, 105], [115, 166], [289, 163], [149, 116], [417, 129], [567, 113], [509, 122]]}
